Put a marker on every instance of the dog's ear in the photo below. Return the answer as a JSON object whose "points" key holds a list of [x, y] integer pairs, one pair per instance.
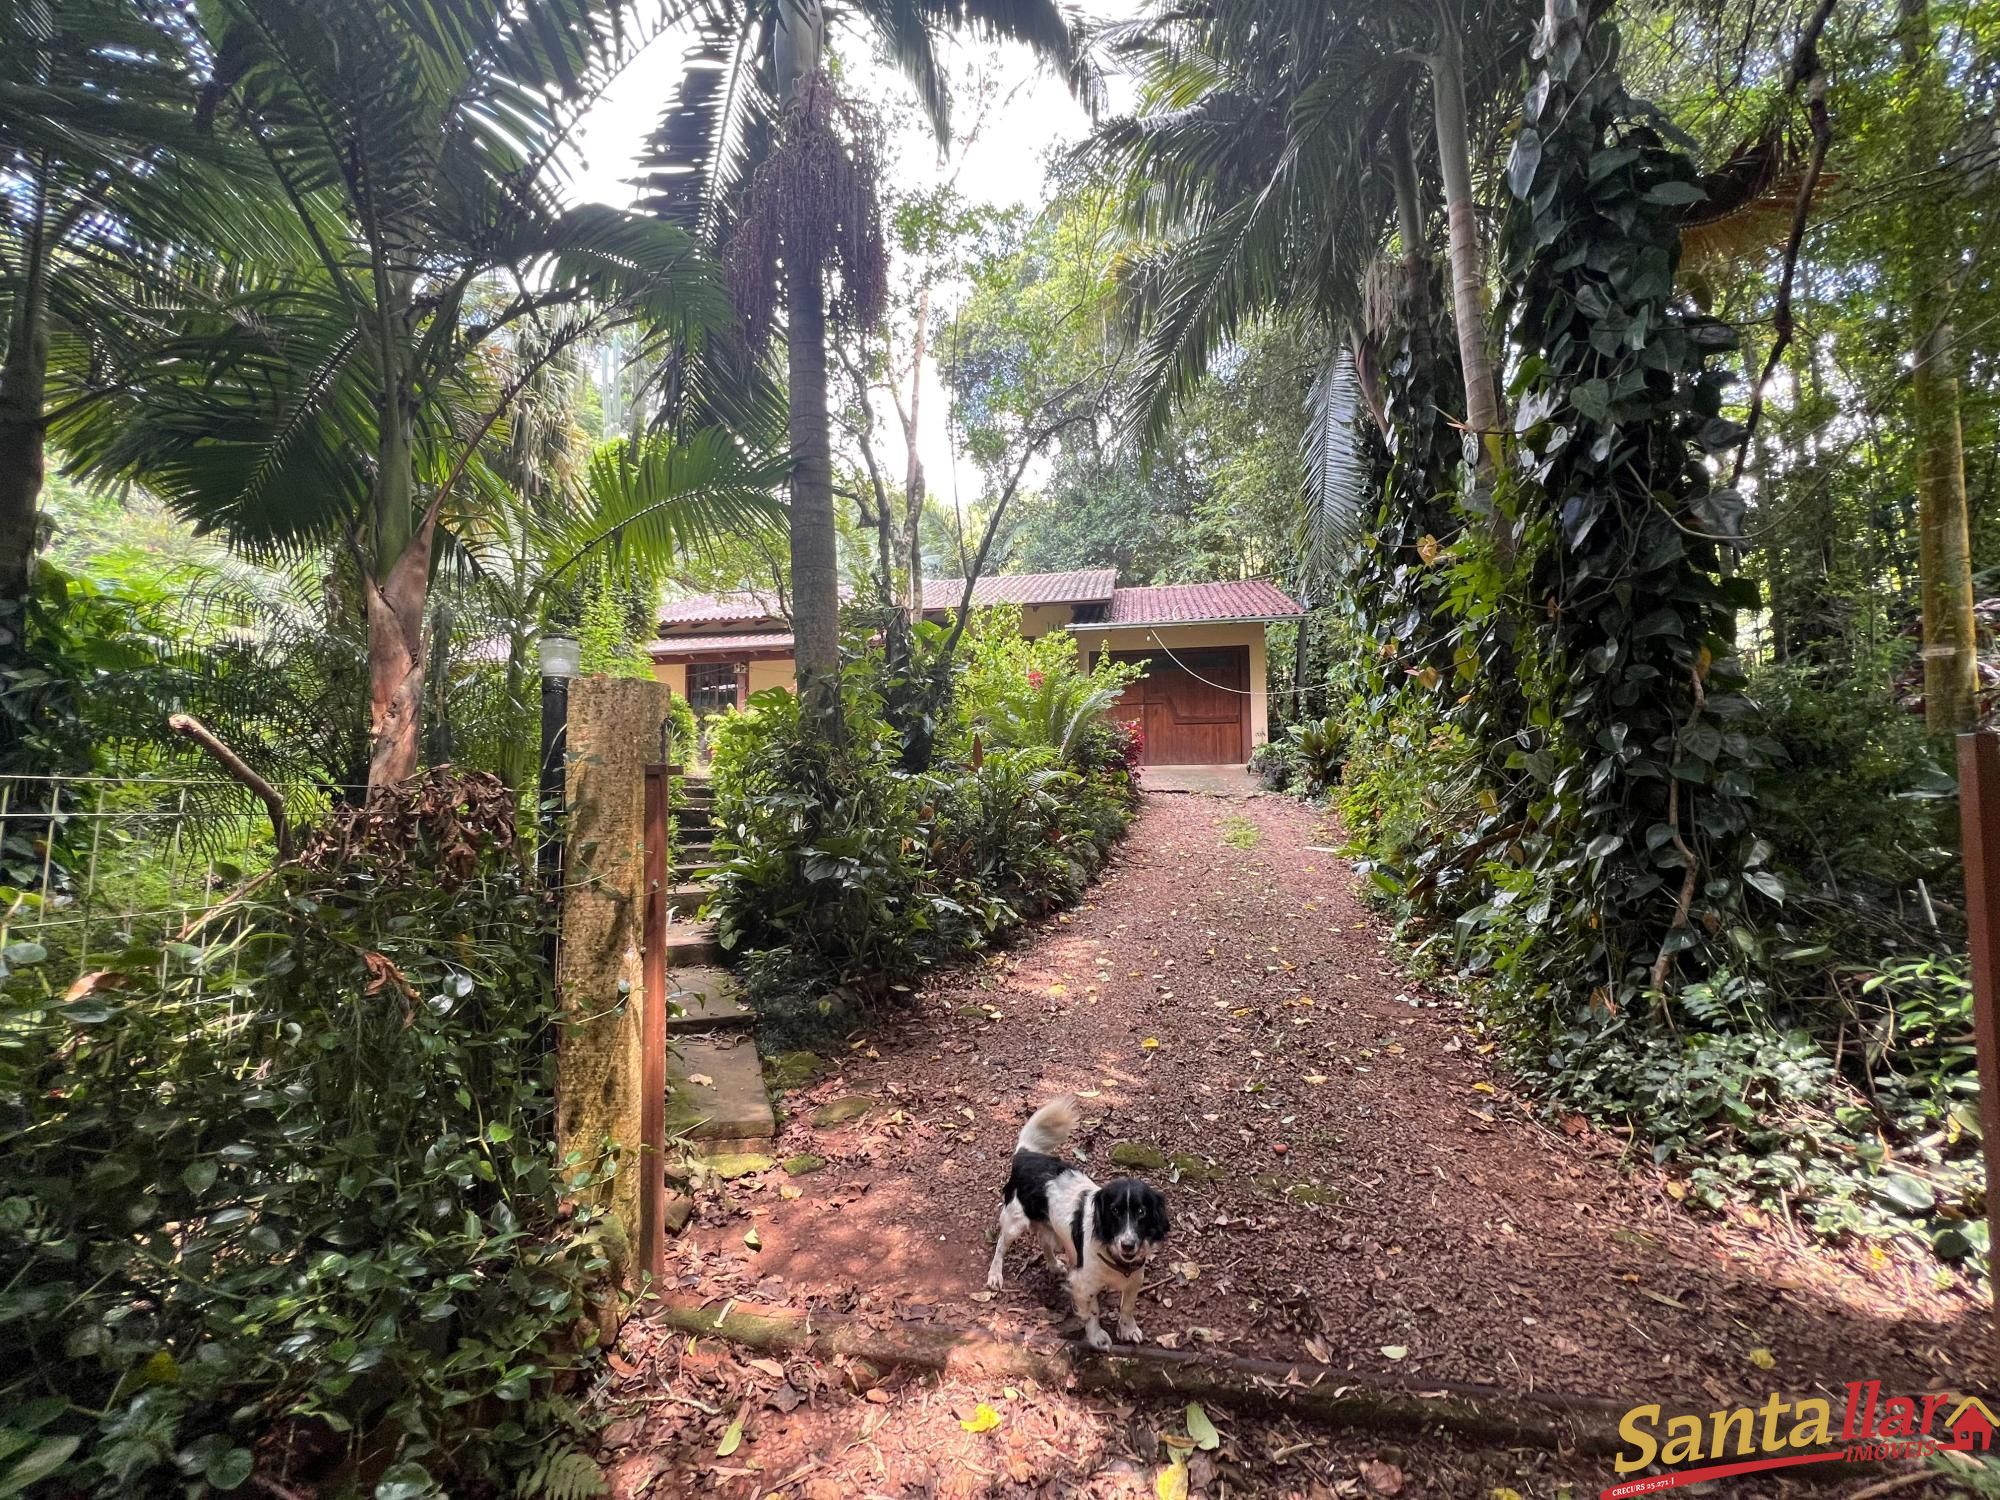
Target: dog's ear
{"points": [[1155, 1215]]}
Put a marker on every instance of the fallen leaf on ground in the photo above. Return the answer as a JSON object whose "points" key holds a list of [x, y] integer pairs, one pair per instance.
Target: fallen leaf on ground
{"points": [[1483, 1088], [702, 1079], [1151, 1044], [750, 1238], [732, 1439], [1394, 1351], [1171, 1483], [983, 1419], [1201, 1429], [1763, 1359]]}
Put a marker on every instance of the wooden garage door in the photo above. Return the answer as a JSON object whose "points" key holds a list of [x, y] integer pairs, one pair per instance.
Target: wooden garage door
{"points": [[1195, 705]]}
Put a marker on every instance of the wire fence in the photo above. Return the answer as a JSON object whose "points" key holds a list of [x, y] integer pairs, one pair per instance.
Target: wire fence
{"points": [[90, 865]]}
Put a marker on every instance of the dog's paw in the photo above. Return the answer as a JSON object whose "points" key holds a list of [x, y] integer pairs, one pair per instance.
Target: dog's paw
{"points": [[994, 1281], [1129, 1331], [1095, 1336]]}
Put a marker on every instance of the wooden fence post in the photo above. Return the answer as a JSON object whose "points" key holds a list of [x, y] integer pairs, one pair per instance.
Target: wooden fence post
{"points": [[600, 1060], [1979, 821]]}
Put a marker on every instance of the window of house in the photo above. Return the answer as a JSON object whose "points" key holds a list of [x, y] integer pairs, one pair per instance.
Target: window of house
{"points": [[712, 686]]}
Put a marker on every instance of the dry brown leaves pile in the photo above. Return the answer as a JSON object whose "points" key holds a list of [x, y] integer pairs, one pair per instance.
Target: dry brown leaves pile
{"points": [[458, 815]]}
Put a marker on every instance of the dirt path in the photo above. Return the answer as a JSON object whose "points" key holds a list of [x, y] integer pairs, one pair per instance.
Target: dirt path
{"points": [[1349, 1177]]}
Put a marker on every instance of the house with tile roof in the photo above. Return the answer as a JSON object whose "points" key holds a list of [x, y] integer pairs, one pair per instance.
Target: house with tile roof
{"points": [[1202, 700]]}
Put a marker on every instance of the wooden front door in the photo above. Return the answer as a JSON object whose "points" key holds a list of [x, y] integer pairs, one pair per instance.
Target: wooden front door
{"points": [[1194, 705]]}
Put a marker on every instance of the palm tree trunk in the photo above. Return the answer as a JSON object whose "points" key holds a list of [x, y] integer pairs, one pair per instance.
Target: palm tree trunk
{"points": [[815, 573], [23, 458], [397, 594], [1950, 648], [1468, 272]]}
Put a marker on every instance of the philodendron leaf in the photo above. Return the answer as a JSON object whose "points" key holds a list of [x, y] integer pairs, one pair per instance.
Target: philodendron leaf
{"points": [[1521, 163], [43, 1460]]}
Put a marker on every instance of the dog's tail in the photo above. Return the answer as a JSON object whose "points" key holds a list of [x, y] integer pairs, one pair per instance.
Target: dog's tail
{"points": [[1049, 1126]]}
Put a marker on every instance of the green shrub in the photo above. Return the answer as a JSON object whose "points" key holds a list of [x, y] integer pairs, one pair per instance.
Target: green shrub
{"points": [[1275, 763], [290, 1173], [687, 747], [1034, 693], [843, 876]]}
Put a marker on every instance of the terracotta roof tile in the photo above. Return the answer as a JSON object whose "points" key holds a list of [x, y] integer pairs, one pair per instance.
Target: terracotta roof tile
{"points": [[1080, 586], [718, 609], [1176, 603]]}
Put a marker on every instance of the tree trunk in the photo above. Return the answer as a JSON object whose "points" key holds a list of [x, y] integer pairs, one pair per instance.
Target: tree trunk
{"points": [[397, 595], [1950, 649], [1468, 274], [23, 458], [815, 573], [913, 479], [512, 767]]}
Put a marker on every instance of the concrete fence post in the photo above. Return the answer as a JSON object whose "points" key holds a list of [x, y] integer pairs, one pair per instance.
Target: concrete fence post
{"points": [[614, 729]]}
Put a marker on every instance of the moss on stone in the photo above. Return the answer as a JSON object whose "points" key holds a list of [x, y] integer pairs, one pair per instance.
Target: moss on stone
{"points": [[1138, 1156], [842, 1110]]}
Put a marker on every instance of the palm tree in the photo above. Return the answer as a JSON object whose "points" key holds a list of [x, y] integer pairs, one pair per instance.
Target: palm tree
{"points": [[418, 145], [759, 157], [1274, 157], [104, 180]]}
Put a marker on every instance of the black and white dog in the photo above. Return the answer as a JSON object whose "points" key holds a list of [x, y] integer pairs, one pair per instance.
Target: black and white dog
{"points": [[1102, 1237]]}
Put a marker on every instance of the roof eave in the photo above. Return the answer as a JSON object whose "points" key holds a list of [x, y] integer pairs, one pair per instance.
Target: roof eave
{"points": [[1203, 620]]}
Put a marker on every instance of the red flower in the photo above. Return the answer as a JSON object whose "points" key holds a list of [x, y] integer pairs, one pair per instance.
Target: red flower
{"points": [[1034, 679]]}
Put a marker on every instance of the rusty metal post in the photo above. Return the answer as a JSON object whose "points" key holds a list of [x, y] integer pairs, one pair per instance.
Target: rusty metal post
{"points": [[653, 1034], [1979, 820]]}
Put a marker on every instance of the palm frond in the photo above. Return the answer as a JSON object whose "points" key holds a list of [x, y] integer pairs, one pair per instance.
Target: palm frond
{"points": [[663, 499], [1338, 494]]}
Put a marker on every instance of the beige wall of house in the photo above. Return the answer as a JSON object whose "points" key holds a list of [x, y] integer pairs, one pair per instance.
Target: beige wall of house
{"points": [[1144, 637], [778, 672], [1038, 618]]}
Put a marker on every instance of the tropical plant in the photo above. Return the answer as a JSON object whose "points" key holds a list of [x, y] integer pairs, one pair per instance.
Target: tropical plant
{"points": [[759, 157], [842, 876], [638, 508], [350, 396], [114, 198], [289, 1174], [1272, 157], [1034, 693]]}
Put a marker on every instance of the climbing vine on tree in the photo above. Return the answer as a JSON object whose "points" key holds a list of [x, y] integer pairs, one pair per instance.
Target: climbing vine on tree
{"points": [[1635, 771]]}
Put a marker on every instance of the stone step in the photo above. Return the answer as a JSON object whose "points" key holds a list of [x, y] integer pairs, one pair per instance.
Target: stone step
{"points": [[685, 900], [691, 869], [692, 945], [708, 1000], [732, 1105], [699, 816]]}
